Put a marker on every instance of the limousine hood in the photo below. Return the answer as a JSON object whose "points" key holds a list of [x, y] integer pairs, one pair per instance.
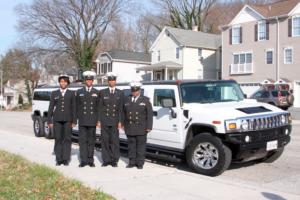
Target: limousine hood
{"points": [[218, 113]]}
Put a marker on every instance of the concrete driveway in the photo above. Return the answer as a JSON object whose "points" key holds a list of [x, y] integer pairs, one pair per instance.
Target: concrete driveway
{"points": [[279, 180]]}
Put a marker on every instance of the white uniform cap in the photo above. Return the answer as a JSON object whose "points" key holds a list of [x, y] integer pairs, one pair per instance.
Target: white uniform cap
{"points": [[111, 74], [135, 84], [89, 74]]}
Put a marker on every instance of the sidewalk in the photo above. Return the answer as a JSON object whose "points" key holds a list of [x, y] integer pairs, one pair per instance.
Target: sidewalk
{"points": [[295, 112], [153, 182]]}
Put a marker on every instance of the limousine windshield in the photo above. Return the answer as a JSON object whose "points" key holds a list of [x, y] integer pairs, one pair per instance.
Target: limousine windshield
{"points": [[211, 92]]}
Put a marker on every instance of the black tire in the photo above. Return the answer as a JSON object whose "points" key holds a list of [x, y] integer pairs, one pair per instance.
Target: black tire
{"points": [[38, 126], [48, 132], [222, 155], [273, 156]]}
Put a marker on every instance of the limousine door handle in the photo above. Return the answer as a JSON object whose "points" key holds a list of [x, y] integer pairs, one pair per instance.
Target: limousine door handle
{"points": [[154, 113]]}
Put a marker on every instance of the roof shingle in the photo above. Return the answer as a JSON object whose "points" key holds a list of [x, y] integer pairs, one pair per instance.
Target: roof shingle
{"points": [[279, 8], [129, 56], [197, 39]]}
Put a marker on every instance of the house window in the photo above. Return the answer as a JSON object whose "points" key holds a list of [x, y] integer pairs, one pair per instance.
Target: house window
{"points": [[109, 67], [177, 53], [296, 26], [236, 37], [242, 63], [262, 30], [106, 67], [269, 57], [288, 56], [242, 58], [158, 56], [200, 53]]}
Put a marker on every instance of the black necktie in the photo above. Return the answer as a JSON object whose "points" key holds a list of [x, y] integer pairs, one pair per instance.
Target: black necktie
{"points": [[133, 100], [111, 91]]}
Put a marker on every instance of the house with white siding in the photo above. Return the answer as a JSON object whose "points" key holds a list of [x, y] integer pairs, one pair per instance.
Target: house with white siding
{"points": [[184, 54], [124, 63]]}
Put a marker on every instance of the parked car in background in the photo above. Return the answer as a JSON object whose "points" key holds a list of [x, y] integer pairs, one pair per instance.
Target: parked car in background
{"points": [[274, 97]]}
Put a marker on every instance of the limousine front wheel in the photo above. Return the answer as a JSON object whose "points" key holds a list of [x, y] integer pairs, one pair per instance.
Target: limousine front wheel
{"points": [[38, 127], [206, 154]]}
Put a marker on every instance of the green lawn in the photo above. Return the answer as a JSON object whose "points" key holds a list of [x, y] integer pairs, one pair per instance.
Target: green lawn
{"points": [[21, 179]]}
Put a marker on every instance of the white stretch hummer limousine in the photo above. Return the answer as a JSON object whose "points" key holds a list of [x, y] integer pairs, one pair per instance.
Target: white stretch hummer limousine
{"points": [[207, 123]]}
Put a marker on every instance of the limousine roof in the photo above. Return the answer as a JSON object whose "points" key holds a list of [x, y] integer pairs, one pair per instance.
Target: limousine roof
{"points": [[177, 82]]}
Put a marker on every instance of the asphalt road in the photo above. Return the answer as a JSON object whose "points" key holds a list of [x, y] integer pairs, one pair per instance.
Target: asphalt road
{"points": [[281, 176]]}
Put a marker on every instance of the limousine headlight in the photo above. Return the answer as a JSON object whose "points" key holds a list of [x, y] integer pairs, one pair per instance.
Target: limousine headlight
{"points": [[244, 125]]}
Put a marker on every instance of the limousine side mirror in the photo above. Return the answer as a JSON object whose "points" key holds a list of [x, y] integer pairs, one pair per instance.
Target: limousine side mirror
{"points": [[168, 103]]}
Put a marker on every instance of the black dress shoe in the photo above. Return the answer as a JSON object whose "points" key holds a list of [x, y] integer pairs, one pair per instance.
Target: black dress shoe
{"points": [[92, 164], [139, 166], [114, 164], [66, 163], [130, 166], [105, 164], [82, 164], [58, 163]]}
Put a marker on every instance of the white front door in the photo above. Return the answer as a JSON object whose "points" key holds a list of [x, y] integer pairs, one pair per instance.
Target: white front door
{"points": [[166, 129]]}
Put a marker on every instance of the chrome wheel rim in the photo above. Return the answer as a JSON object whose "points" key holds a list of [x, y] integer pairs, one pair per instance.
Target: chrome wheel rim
{"points": [[46, 128], [36, 126], [205, 156]]}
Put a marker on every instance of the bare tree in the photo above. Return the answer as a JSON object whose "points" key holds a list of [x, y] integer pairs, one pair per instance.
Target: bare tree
{"points": [[17, 65], [147, 31], [186, 14], [75, 27]]}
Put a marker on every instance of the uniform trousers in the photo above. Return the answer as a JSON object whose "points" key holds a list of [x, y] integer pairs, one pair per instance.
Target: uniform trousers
{"points": [[137, 149], [63, 142], [110, 144], [87, 139]]}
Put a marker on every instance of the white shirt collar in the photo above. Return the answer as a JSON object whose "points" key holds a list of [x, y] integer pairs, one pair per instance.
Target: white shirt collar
{"points": [[87, 88], [63, 90]]}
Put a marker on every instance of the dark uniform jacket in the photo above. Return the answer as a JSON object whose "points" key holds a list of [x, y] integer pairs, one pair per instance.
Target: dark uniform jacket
{"points": [[111, 107], [87, 106], [138, 116], [62, 108]]}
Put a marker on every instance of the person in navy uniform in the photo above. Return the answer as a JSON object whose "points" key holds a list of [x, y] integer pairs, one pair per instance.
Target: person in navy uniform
{"points": [[62, 117], [138, 119], [110, 116], [87, 99]]}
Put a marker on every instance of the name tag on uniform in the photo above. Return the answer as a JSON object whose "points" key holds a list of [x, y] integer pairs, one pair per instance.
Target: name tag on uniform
{"points": [[94, 95], [106, 97], [126, 104], [142, 104], [81, 95], [56, 97]]}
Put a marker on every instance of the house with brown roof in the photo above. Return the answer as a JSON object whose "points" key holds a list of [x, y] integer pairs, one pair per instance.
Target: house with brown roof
{"points": [[263, 42]]}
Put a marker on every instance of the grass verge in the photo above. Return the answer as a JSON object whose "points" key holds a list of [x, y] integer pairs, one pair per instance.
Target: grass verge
{"points": [[21, 179]]}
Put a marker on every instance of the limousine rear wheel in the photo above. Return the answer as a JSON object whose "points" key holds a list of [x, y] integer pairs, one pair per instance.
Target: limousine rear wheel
{"points": [[206, 154], [38, 127], [47, 131]]}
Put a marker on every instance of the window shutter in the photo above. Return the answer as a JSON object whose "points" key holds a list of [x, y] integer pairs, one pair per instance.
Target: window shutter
{"points": [[255, 32], [230, 36], [241, 35], [290, 27], [267, 30]]}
